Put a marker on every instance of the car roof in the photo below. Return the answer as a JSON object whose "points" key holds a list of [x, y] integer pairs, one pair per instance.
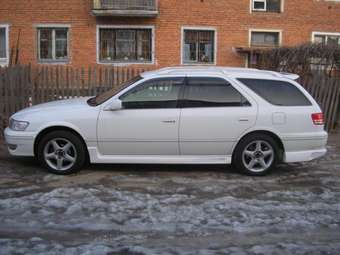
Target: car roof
{"points": [[234, 72]]}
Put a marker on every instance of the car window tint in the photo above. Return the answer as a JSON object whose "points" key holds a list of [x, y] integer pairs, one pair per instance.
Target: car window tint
{"points": [[277, 92], [211, 92], [157, 93]]}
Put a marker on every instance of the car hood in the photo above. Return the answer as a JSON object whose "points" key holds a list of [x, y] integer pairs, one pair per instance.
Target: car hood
{"points": [[61, 105]]}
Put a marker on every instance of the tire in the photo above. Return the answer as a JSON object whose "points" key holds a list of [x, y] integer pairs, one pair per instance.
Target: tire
{"points": [[256, 155], [61, 152]]}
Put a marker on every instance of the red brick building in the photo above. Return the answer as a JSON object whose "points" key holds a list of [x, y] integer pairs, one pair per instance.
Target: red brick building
{"points": [[158, 33]]}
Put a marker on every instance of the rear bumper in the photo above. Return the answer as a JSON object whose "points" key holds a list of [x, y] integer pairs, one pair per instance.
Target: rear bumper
{"points": [[301, 149], [19, 143], [300, 156]]}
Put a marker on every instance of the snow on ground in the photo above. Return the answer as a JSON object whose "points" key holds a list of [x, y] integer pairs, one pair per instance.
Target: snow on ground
{"points": [[170, 209]]}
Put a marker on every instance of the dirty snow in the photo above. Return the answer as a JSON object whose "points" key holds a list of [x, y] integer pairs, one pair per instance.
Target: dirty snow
{"points": [[170, 209]]}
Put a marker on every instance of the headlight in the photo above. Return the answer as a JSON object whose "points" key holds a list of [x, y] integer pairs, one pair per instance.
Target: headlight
{"points": [[18, 125]]}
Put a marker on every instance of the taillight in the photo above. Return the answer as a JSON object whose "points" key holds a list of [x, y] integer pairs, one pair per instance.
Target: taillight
{"points": [[318, 118]]}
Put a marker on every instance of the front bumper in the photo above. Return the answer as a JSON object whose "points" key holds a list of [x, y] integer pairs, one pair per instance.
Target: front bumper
{"points": [[20, 143]]}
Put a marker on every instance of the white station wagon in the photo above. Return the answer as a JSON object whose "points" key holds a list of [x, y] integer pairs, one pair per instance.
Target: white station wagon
{"points": [[250, 118]]}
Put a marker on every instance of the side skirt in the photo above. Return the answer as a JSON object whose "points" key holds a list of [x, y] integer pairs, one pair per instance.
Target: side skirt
{"points": [[96, 157]]}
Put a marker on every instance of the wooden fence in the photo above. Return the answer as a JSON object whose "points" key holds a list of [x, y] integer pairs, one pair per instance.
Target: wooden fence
{"points": [[326, 91], [23, 86]]}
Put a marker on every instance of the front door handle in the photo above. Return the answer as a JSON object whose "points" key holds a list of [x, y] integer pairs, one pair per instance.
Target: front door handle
{"points": [[243, 120], [169, 121]]}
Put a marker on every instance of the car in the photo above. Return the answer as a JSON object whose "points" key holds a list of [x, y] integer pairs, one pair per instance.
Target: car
{"points": [[250, 118]]}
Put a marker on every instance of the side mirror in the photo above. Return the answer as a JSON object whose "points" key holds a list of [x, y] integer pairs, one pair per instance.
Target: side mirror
{"points": [[114, 105]]}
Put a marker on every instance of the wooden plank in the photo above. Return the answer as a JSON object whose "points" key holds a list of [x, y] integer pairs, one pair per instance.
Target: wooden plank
{"points": [[107, 84], [78, 82], [73, 85], [57, 83], [6, 93], [60, 80], [332, 109], [22, 87], [94, 84], [82, 92], [89, 82], [10, 91], [2, 102], [67, 82], [336, 105], [328, 90]]}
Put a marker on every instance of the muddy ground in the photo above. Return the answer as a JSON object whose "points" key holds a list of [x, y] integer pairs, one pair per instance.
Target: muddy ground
{"points": [[115, 209]]}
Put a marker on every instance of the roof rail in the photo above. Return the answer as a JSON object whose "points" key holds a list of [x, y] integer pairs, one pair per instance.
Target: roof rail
{"points": [[290, 76]]}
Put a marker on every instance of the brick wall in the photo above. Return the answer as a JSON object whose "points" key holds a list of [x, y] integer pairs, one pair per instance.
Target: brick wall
{"points": [[232, 20]]}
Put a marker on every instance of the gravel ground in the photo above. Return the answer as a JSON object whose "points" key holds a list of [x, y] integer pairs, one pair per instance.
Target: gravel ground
{"points": [[136, 210]]}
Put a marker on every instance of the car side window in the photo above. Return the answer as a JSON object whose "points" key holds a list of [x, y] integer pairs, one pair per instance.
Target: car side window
{"points": [[156, 93], [277, 92], [211, 92]]}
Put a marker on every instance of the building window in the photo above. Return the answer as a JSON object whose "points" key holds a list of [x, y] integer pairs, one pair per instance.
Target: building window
{"points": [[199, 46], [53, 44], [332, 39], [4, 45], [265, 39], [267, 5], [125, 45]]}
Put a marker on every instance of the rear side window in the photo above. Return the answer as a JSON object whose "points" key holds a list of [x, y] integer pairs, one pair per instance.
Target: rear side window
{"points": [[211, 92], [277, 92]]}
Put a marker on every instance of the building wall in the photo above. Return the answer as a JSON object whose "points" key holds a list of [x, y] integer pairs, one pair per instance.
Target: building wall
{"points": [[232, 20]]}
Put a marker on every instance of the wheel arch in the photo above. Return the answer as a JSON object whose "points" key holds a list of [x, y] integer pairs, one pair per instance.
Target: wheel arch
{"points": [[47, 130], [276, 138]]}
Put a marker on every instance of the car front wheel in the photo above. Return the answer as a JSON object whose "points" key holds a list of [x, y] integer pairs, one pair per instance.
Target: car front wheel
{"points": [[61, 152], [256, 155]]}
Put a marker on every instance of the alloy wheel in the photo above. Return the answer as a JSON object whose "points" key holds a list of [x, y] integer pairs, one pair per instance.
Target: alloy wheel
{"points": [[258, 156], [60, 154]]}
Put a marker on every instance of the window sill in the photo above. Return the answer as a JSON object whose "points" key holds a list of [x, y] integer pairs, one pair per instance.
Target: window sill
{"points": [[124, 63], [3, 63], [198, 64], [265, 47], [268, 12], [53, 62]]}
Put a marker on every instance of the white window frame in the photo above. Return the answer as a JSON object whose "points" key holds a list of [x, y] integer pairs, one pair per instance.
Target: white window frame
{"points": [[213, 29], [252, 5], [152, 28], [279, 31], [259, 10], [324, 33], [53, 60], [5, 61]]}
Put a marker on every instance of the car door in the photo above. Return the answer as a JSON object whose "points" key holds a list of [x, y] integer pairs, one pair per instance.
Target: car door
{"points": [[148, 122], [214, 114]]}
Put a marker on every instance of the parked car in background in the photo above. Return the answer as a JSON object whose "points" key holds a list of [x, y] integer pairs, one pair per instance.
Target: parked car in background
{"points": [[250, 118]]}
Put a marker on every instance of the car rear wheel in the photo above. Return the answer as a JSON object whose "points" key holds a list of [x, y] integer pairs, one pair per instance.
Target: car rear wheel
{"points": [[256, 155], [61, 152]]}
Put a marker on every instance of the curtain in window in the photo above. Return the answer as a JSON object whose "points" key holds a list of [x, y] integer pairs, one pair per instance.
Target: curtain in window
{"points": [[265, 39], [273, 5], [143, 45], [46, 44], [198, 46], [3, 50], [107, 45], [126, 45], [61, 43]]}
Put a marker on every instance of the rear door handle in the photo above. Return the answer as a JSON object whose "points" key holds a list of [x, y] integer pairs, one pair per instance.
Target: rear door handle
{"points": [[243, 120], [169, 121]]}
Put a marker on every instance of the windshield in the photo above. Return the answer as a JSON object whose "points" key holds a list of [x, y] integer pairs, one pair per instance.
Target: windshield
{"points": [[97, 100]]}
